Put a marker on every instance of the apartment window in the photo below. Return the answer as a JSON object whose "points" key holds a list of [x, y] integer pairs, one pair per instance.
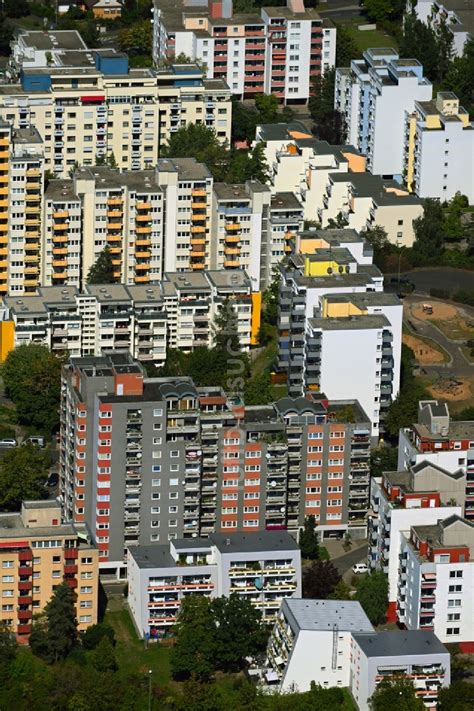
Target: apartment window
{"points": [[156, 482], [452, 631], [454, 616], [174, 482], [86, 561], [313, 489], [315, 435], [156, 468], [334, 502], [454, 603], [155, 524], [155, 497], [87, 575], [157, 413], [8, 578], [251, 523], [7, 593], [155, 537], [56, 574], [455, 588], [455, 573]]}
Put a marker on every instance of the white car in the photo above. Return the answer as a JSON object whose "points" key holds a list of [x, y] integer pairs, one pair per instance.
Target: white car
{"points": [[8, 443], [360, 568]]}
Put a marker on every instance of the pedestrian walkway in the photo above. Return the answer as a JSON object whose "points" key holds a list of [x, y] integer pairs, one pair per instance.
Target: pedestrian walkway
{"points": [[336, 548]]}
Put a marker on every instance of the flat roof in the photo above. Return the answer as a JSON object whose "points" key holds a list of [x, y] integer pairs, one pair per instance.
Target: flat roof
{"points": [[365, 299], [57, 39], [61, 191], [458, 429], [282, 131], [254, 542], [187, 168], [152, 556], [350, 323], [326, 615], [285, 201], [400, 644]]}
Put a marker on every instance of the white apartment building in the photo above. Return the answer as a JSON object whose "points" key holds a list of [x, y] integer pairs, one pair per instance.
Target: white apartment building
{"points": [[436, 579], [275, 52], [458, 17], [176, 312], [373, 94], [95, 107], [415, 654], [442, 442], [264, 568], [36, 49], [330, 305], [419, 497], [439, 149]]}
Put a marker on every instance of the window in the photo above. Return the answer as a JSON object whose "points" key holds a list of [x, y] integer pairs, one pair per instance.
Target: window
{"points": [[450, 631], [7, 564], [454, 616], [174, 482], [155, 482], [8, 578], [86, 561], [455, 589], [85, 618], [455, 573], [454, 603], [157, 413]]}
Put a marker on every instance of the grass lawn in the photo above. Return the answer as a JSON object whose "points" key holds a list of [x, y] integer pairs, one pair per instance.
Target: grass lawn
{"points": [[371, 38], [266, 356], [455, 328], [132, 655]]}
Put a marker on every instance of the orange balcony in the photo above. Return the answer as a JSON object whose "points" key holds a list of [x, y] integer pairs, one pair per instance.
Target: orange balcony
{"points": [[32, 222], [114, 213], [142, 243], [33, 173], [3, 252], [143, 218], [3, 179], [198, 218], [199, 204], [114, 226], [114, 238], [117, 275], [3, 203], [197, 265], [142, 278], [197, 229], [116, 262], [198, 253], [60, 214], [116, 250], [232, 250], [144, 254], [233, 226], [59, 262], [30, 282], [114, 201], [31, 270], [143, 230], [3, 191], [143, 205], [33, 198], [60, 227], [30, 234], [3, 154], [198, 192], [195, 240], [57, 251], [32, 210], [231, 263], [142, 266], [232, 239], [59, 275], [30, 259], [4, 142]]}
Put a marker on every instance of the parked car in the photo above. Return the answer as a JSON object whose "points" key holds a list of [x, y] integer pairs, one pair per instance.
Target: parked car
{"points": [[35, 439], [360, 568], [7, 442]]}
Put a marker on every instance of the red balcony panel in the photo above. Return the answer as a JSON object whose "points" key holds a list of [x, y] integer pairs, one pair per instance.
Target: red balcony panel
{"points": [[23, 556], [70, 553], [23, 629], [70, 569], [25, 585], [25, 600], [25, 615], [25, 570], [72, 582]]}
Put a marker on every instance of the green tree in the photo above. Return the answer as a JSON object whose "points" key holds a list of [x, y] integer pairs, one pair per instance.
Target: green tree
{"points": [[271, 297], [91, 637], [136, 39], [244, 121], [308, 539], [225, 328], [102, 271], [239, 632], [419, 41], [6, 35], [23, 474], [258, 164], [384, 10], [346, 47], [383, 459], [267, 106], [32, 379], [404, 409], [457, 697], [329, 123], [195, 634], [16, 8], [54, 635], [320, 580], [372, 593], [176, 363], [445, 43], [258, 390], [8, 652], [103, 657], [429, 237], [460, 77], [342, 591], [397, 692], [199, 142]]}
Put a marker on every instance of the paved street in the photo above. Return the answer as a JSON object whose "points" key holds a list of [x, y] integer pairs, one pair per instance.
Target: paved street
{"points": [[345, 562], [437, 278]]}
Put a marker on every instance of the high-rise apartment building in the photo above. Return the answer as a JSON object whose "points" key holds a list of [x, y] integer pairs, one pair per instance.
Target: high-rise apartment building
{"points": [[278, 52], [373, 94], [146, 460], [21, 195], [331, 305], [92, 107], [37, 552], [439, 149], [437, 439], [176, 312]]}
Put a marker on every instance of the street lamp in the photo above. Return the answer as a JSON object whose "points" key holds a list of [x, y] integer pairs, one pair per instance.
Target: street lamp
{"points": [[149, 689]]}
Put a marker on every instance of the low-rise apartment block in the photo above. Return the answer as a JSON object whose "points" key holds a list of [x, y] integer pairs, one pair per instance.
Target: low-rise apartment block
{"points": [[445, 443], [37, 552], [456, 15], [329, 305], [421, 496], [439, 149], [264, 568], [178, 461], [373, 95], [275, 52], [416, 655], [177, 312], [436, 578], [89, 106]]}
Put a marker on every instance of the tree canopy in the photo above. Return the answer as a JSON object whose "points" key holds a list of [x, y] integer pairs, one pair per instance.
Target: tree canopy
{"points": [[102, 271], [23, 475], [372, 593], [308, 539], [32, 379], [396, 692], [320, 579], [54, 635]]}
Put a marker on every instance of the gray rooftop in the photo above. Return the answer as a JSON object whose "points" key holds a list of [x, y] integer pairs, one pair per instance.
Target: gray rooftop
{"points": [[61, 191], [152, 556], [349, 323], [396, 644], [325, 615], [59, 39], [187, 168], [254, 542], [282, 131]]}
